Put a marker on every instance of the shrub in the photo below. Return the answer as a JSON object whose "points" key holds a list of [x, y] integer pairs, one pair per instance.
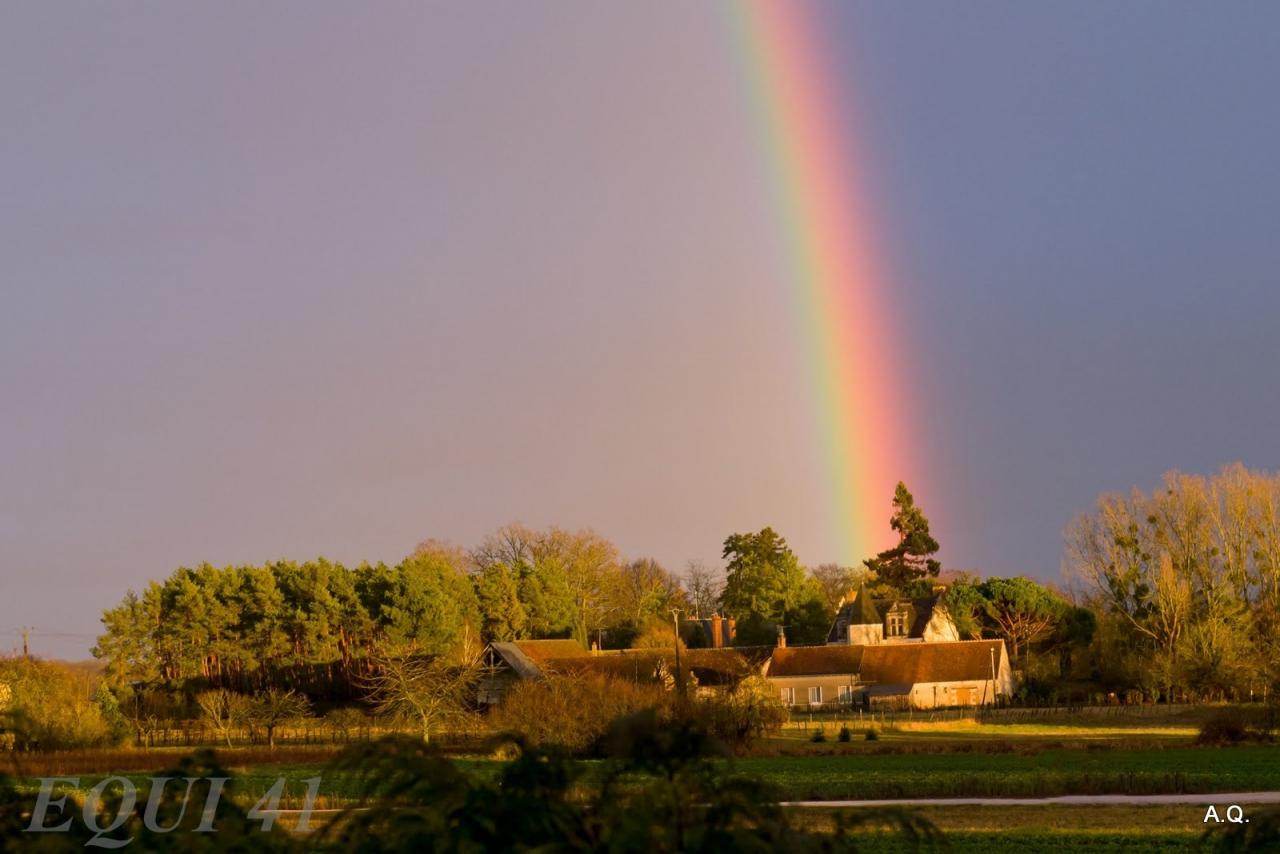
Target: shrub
{"points": [[345, 720], [1233, 726], [845, 734], [819, 736], [751, 710], [573, 712], [48, 706], [872, 735]]}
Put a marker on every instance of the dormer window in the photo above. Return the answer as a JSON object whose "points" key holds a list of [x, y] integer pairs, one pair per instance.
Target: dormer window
{"points": [[895, 624]]}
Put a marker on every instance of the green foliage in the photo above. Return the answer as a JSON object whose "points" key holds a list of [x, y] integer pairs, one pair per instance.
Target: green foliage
{"points": [[819, 736], [764, 578], [249, 628], [1021, 610], [966, 605], [505, 618], [845, 734], [911, 559]]}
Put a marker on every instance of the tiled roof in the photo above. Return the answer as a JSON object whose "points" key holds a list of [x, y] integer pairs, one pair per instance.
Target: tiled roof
{"points": [[903, 663], [816, 660], [952, 661], [542, 650], [708, 666]]}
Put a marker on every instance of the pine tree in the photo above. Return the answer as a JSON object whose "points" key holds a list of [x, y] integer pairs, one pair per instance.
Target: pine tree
{"points": [[911, 560]]}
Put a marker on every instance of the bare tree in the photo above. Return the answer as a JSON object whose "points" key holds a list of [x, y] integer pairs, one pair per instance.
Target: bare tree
{"points": [[224, 710], [273, 708], [429, 691], [702, 587], [836, 581]]}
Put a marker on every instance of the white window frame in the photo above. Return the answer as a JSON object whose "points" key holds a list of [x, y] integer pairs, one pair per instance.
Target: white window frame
{"points": [[844, 695], [789, 696], [815, 695]]}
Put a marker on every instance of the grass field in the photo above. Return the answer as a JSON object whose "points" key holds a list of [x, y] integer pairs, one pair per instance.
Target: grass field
{"points": [[1044, 773], [1040, 774], [1014, 755]]}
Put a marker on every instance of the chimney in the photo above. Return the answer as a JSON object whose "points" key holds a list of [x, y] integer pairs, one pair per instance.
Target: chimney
{"points": [[782, 638], [717, 625]]}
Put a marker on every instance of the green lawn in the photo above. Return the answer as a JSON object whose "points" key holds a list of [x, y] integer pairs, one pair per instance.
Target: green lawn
{"points": [[896, 775]]}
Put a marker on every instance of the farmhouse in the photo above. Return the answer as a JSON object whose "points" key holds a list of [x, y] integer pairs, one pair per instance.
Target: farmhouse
{"points": [[922, 675]]}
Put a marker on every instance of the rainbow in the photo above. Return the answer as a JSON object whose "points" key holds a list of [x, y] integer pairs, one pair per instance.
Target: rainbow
{"points": [[842, 295]]}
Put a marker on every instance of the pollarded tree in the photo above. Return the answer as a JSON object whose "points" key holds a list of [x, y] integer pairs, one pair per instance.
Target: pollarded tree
{"points": [[912, 559]]}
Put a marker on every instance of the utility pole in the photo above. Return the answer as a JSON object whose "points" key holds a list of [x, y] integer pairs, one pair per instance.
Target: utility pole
{"points": [[26, 636], [675, 621], [994, 686]]}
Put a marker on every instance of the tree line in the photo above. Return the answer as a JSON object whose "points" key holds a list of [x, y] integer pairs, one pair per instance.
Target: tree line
{"points": [[1175, 593]]}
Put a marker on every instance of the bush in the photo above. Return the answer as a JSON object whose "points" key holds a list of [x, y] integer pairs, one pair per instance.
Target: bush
{"points": [[573, 712], [819, 736], [751, 710], [48, 706], [1234, 726], [845, 734], [872, 735]]}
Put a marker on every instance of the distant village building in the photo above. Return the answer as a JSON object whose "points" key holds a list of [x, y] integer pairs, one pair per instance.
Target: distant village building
{"points": [[863, 620], [904, 653], [921, 675]]}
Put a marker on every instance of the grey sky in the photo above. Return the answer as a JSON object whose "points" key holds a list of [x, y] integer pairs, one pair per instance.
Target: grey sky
{"points": [[304, 279]]}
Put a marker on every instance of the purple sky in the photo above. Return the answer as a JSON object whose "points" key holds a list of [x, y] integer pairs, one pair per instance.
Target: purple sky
{"points": [[290, 280]]}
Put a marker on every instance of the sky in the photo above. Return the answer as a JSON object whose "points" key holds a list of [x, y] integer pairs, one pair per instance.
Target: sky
{"points": [[316, 279]]}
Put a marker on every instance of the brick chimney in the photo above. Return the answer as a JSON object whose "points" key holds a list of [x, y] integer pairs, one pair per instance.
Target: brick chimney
{"points": [[717, 625], [782, 638]]}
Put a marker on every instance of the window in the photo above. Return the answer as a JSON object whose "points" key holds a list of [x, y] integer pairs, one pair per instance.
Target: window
{"points": [[895, 624], [789, 696], [845, 695], [815, 696]]}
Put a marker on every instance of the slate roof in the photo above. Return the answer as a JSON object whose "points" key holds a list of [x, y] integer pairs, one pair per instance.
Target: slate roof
{"points": [[859, 613]]}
